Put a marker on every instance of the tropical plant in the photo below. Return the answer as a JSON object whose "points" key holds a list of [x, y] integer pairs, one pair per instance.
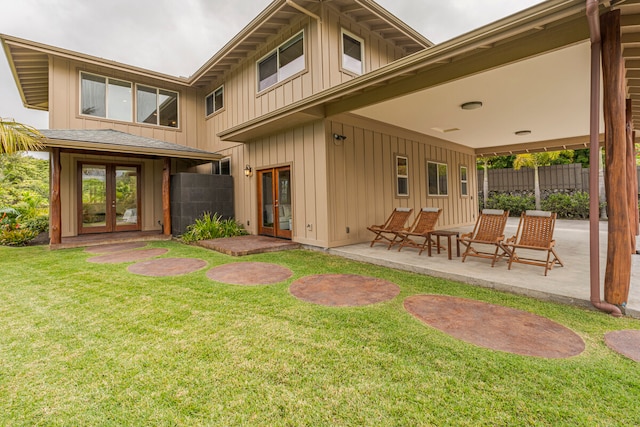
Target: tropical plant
{"points": [[11, 232], [513, 203], [16, 137], [534, 161], [212, 227]]}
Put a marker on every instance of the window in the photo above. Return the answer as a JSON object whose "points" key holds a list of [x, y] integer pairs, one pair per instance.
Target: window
{"points": [[352, 53], [402, 176], [284, 62], [437, 179], [214, 101], [222, 166], [156, 106], [464, 188], [105, 97]]}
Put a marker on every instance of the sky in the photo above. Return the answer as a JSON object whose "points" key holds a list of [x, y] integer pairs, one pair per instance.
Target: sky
{"points": [[176, 37]]}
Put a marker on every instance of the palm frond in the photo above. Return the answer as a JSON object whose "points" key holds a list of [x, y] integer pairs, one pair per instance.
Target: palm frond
{"points": [[16, 136]]}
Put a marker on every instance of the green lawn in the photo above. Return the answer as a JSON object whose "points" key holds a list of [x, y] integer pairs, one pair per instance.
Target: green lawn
{"points": [[91, 344]]}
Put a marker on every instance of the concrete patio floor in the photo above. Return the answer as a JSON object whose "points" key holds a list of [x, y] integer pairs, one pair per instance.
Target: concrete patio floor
{"points": [[568, 284]]}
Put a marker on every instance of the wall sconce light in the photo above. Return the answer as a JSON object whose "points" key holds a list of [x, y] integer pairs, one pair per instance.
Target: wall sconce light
{"points": [[471, 105], [248, 171], [338, 137]]}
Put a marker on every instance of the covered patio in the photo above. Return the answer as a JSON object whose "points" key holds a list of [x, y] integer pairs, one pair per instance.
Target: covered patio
{"points": [[568, 284]]}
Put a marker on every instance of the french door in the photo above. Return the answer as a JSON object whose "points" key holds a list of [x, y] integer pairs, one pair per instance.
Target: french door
{"points": [[108, 198], [274, 199]]}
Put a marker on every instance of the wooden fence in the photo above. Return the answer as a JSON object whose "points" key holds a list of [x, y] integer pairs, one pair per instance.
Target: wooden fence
{"points": [[556, 177]]}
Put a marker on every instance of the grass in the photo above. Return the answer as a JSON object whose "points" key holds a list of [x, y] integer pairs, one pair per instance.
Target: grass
{"points": [[91, 344]]}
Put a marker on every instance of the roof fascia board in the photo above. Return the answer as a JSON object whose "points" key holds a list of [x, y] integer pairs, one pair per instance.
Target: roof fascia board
{"points": [[121, 149], [266, 14], [392, 19], [12, 66], [529, 19], [88, 59], [570, 143]]}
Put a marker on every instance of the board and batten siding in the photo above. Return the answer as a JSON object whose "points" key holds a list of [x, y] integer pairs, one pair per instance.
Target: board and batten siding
{"points": [[64, 104], [323, 51], [304, 150], [361, 178]]}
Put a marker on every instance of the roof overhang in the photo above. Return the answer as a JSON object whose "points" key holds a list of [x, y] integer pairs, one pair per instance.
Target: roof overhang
{"points": [[531, 71], [120, 143]]}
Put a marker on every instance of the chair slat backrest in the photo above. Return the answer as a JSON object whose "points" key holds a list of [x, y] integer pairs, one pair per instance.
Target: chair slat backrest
{"points": [[398, 219], [490, 225], [536, 228], [426, 220]]}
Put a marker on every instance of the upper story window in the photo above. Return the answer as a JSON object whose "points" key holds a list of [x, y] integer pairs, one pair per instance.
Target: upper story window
{"points": [[214, 101], [352, 53], [222, 166], [105, 97], [437, 179], [113, 99], [464, 181], [156, 106], [282, 63], [402, 176]]}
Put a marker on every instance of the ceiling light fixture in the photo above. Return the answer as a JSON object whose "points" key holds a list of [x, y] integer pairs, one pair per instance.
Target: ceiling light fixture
{"points": [[522, 132], [471, 105]]}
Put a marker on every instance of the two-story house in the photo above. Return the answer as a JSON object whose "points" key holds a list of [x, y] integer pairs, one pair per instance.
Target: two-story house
{"points": [[326, 116]]}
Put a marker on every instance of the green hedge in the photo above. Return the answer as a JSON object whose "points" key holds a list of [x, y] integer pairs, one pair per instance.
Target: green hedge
{"points": [[515, 204]]}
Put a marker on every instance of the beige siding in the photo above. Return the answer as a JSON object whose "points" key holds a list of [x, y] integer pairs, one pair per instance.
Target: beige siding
{"points": [[361, 178], [304, 149], [151, 197], [64, 105]]}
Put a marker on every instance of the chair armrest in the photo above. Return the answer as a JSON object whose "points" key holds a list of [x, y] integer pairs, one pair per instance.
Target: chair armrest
{"points": [[511, 240], [465, 236]]}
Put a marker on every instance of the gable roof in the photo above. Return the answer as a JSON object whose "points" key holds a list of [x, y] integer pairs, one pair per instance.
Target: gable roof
{"points": [[29, 61], [120, 142]]}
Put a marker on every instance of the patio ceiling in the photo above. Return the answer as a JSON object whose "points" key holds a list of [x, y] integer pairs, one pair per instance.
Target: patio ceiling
{"points": [[547, 94]]}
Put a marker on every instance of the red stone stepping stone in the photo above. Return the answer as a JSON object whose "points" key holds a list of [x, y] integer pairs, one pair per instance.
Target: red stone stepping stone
{"points": [[249, 273], [495, 327], [167, 266], [343, 290], [625, 342], [114, 247], [127, 256]]}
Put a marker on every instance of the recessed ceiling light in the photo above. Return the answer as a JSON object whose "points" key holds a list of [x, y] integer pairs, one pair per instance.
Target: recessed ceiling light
{"points": [[522, 132], [471, 105]]}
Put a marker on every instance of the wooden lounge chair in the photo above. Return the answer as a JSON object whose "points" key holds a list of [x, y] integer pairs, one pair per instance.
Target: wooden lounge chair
{"points": [[489, 230], [535, 232], [387, 233], [424, 223]]}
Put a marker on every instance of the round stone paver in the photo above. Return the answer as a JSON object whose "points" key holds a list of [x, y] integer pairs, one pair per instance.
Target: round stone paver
{"points": [[626, 342], [114, 247], [249, 273], [495, 327], [166, 266], [127, 256], [343, 290]]}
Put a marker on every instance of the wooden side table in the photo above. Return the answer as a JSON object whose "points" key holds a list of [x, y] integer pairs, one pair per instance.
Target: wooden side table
{"points": [[448, 234]]}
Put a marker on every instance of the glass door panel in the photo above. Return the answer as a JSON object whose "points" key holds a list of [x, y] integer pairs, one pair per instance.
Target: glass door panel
{"points": [[283, 203], [274, 198], [267, 208], [126, 197], [93, 210]]}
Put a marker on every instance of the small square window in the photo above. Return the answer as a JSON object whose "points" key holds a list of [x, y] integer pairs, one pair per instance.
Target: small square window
{"points": [[437, 179], [222, 166], [402, 176], [352, 53], [464, 184], [214, 101]]}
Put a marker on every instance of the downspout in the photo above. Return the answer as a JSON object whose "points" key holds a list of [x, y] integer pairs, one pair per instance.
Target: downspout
{"points": [[593, 18]]}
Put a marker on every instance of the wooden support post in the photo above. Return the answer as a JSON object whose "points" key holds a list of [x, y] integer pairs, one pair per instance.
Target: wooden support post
{"points": [[632, 179], [166, 196], [618, 270], [55, 207]]}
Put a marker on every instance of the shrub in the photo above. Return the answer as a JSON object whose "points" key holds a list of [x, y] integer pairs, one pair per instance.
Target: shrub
{"points": [[574, 205], [11, 231], [212, 227], [39, 224], [514, 204]]}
